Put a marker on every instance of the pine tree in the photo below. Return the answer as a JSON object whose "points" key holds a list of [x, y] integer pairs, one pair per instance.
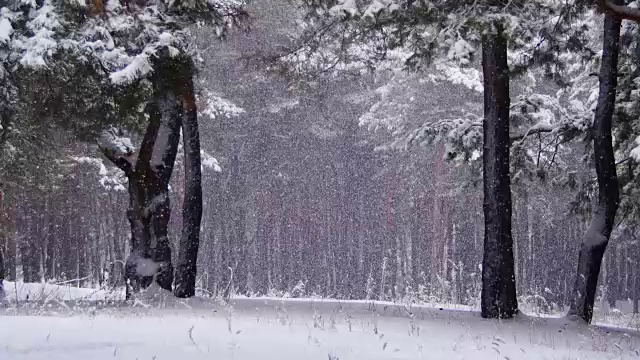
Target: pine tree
{"points": [[445, 36], [140, 49]]}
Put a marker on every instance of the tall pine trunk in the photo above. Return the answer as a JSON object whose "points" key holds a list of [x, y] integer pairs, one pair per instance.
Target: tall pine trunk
{"points": [[192, 208], [595, 240], [498, 278]]}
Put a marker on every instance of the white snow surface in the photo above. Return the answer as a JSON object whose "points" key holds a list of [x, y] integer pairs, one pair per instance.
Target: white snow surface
{"points": [[160, 326], [51, 292]]}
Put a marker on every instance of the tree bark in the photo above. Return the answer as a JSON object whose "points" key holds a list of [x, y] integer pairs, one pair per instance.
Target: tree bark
{"points": [[595, 240], [192, 208], [498, 278]]}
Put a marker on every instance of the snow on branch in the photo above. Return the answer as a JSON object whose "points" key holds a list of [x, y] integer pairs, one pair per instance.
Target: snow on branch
{"points": [[6, 29], [214, 106], [462, 136], [112, 140], [109, 178], [209, 162], [122, 42], [139, 67], [42, 44], [548, 115], [370, 10], [117, 148]]}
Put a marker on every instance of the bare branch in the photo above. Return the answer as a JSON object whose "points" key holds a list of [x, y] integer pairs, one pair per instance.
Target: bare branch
{"points": [[624, 12], [532, 131]]}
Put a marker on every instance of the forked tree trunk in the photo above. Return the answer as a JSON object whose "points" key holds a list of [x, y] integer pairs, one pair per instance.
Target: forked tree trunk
{"points": [[498, 278], [596, 238], [149, 174], [168, 80], [192, 207]]}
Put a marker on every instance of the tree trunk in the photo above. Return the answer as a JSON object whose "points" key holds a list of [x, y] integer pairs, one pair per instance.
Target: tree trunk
{"points": [[498, 278], [1, 269], [166, 107], [5, 123], [149, 175], [595, 240], [634, 282], [192, 208], [4, 239]]}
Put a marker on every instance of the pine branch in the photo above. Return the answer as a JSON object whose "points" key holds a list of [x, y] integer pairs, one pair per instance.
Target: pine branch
{"points": [[561, 129], [535, 131]]}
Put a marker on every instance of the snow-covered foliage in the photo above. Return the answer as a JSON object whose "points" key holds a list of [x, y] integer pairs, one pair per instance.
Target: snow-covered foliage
{"points": [[81, 66], [116, 142], [209, 161], [109, 177], [339, 34], [122, 39], [443, 39], [418, 112], [214, 106]]}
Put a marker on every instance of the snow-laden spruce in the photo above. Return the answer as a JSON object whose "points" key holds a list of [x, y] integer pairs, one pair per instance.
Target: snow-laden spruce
{"points": [[120, 37]]}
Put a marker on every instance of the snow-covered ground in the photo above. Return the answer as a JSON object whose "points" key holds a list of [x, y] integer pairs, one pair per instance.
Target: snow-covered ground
{"points": [[46, 292], [161, 327]]}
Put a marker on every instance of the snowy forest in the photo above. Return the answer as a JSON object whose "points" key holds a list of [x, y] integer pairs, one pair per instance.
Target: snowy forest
{"points": [[478, 153]]}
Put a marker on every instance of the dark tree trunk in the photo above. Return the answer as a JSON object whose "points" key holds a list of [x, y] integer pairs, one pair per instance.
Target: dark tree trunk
{"points": [[613, 279], [192, 207], [167, 108], [3, 236], [1, 265], [5, 121], [595, 240], [149, 175], [634, 278], [498, 278]]}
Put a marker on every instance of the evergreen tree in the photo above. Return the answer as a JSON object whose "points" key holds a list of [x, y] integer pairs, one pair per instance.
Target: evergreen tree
{"points": [[139, 48], [417, 34]]}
